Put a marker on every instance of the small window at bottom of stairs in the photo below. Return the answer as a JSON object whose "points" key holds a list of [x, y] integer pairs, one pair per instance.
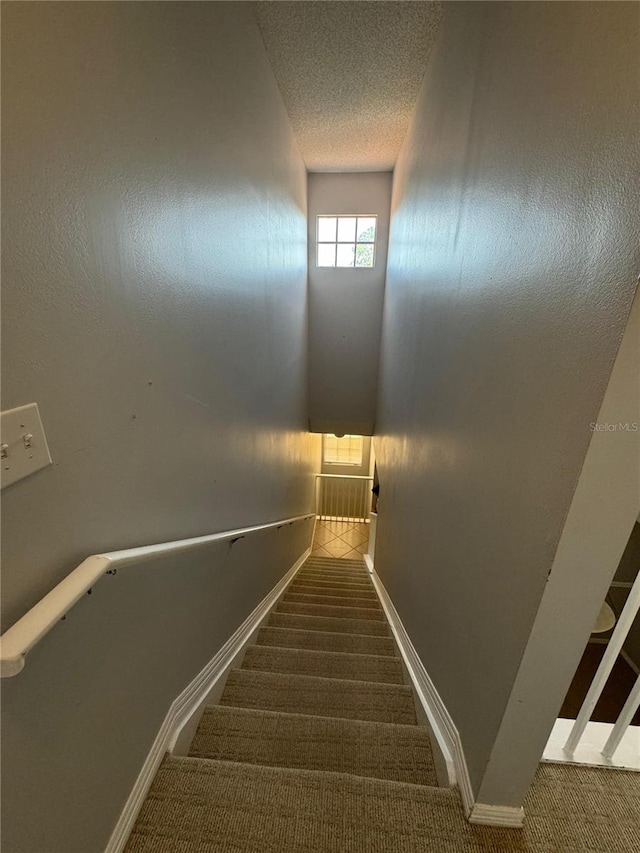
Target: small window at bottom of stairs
{"points": [[342, 450]]}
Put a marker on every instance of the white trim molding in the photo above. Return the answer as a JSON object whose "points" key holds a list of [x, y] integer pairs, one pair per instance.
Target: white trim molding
{"points": [[442, 724], [189, 703], [507, 816], [370, 556], [440, 720]]}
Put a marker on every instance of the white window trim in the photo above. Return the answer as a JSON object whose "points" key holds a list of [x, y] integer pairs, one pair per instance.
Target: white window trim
{"points": [[373, 243]]}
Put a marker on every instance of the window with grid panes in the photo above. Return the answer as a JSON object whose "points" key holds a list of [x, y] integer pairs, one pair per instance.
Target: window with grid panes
{"points": [[346, 241]]}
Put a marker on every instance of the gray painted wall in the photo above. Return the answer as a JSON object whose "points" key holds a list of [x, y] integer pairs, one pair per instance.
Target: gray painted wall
{"points": [[345, 309], [81, 717], [154, 281], [512, 265], [603, 509], [154, 305]]}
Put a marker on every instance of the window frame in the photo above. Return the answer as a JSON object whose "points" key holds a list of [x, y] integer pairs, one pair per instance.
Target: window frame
{"points": [[342, 463], [355, 243]]}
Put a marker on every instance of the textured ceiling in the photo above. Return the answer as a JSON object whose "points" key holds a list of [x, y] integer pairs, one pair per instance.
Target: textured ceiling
{"points": [[349, 73]]}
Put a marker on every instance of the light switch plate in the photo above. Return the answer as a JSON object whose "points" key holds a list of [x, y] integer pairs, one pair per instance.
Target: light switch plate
{"points": [[24, 446]]}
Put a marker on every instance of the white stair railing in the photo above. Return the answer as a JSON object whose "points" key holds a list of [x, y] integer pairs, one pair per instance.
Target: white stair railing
{"points": [[598, 743], [343, 497], [623, 722], [614, 647]]}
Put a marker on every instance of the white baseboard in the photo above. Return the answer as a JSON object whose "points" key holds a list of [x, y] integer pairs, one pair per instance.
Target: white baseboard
{"points": [[368, 563], [190, 702], [441, 722], [497, 815]]}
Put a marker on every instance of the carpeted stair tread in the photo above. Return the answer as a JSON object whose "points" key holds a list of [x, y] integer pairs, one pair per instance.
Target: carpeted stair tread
{"points": [[323, 697], [336, 583], [352, 572], [333, 588], [338, 625], [378, 750], [359, 572], [345, 571], [345, 665], [199, 806], [339, 612], [332, 600], [332, 581], [335, 600], [326, 641], [337, 568], [301, 588], [337, 561]]}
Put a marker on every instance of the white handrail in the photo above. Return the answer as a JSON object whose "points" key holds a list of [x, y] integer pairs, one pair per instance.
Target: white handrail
{"points": [[614, 646], [37, 622]]}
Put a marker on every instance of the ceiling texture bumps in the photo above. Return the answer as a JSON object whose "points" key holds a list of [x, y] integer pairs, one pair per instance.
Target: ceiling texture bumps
{"points": [[349, 73]]}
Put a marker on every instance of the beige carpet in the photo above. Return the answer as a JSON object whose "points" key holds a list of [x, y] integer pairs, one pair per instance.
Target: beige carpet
{"points": [[198, 806], [340, 625], [326, 641], [291, 604], [314, 748], [303, 588], [320, 697], [344, 665], [303, 596], [379, 750]]}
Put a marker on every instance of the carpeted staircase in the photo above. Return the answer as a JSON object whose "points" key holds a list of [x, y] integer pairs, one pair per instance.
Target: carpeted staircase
{"points": [[314, 745], [314, 748]]}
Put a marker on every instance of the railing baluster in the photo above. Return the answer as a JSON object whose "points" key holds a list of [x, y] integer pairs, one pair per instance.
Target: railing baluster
{"points": [[614, 646], [624, 721], [342, 497]]}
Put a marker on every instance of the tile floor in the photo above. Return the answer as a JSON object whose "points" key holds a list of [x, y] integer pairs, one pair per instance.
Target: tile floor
{"points": [[345, 539]]}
